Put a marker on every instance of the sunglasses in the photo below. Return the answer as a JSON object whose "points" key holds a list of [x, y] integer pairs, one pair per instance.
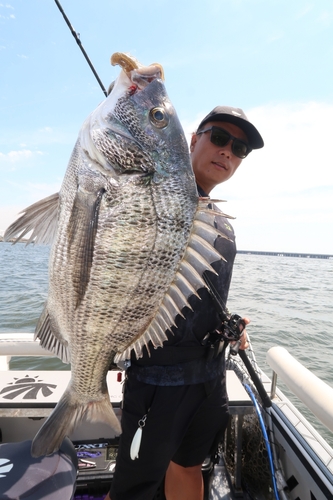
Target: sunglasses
{"points": [[221, 137]]}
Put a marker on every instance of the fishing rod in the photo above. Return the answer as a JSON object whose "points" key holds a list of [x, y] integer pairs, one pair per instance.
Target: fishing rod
{"points": [[78, 41], [267, 442], [231, 330], [256, 380]]}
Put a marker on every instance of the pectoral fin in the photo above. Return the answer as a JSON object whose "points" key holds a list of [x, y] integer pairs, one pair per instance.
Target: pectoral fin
{"points": [[82, 231], [41, 218]]}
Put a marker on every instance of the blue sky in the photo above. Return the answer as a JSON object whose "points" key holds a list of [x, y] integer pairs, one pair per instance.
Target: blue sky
{"points": [[272, 58]]}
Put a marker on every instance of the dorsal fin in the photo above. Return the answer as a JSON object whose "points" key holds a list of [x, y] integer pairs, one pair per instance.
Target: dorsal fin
{"points": [[198, 257]]}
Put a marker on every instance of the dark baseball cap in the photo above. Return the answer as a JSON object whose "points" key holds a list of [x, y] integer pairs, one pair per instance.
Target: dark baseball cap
{"points": [[239, 118]]}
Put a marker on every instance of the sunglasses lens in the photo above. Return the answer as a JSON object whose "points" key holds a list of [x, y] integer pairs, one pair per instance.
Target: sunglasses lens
{"points": [[219, 137], [239, 148]]}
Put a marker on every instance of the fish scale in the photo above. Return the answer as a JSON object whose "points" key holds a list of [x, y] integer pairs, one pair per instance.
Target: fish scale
{"points": [[130, 242]]}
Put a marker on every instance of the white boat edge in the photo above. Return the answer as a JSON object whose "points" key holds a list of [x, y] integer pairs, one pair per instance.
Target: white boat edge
{"points": [[314, 393], [283, 365]]}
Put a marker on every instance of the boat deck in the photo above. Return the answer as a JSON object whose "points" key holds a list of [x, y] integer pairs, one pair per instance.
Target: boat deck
{"points": [[27, 397]]}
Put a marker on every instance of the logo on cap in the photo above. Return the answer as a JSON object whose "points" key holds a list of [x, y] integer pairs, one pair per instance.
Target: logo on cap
{"points": [[235, 113]]}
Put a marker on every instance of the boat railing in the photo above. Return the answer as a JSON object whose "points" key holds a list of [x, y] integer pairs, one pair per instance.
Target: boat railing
{"points": [[312, 391], [19, 344], [316, 394]]}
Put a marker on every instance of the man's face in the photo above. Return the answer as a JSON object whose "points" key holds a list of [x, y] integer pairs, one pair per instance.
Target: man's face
{"points": [[214, 164]]}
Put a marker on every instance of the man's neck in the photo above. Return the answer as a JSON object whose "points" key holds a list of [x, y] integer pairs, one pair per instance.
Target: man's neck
{"points": [[201, 191]]}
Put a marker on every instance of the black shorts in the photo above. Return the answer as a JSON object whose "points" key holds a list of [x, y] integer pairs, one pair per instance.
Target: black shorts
{"points": [[182, 425]]}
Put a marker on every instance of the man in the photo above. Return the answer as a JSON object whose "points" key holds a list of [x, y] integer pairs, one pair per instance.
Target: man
{"points": [[177, 396]]}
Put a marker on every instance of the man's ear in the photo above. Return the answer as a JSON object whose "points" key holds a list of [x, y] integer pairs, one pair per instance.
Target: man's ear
{"points": [[193, 141]]}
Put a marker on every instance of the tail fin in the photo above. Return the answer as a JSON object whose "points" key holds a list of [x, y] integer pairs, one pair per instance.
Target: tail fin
{"points": [[66, 416]]}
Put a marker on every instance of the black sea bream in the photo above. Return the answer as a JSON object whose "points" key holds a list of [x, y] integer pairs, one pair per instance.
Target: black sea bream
{"points": [[130, 241]]}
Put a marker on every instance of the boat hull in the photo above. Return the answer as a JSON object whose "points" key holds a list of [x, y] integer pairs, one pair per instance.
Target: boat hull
{"points": [[303, 459]]}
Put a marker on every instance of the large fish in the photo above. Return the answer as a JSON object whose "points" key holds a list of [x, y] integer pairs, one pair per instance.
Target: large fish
{"points": [[130, 241]]}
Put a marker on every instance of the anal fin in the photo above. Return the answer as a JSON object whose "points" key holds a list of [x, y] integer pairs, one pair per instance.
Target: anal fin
{"points": [[51, 339]]}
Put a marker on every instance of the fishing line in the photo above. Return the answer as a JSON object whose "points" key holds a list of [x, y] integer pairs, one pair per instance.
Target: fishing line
{"points": [[215, 294], [264, 432], [78, 41]]}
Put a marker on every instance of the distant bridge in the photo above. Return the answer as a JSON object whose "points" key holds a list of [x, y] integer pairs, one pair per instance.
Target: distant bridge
{"points": [[288, 254], [254, 252]]}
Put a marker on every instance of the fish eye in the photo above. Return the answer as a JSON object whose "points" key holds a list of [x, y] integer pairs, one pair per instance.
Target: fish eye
{"points": [[159, 117]]}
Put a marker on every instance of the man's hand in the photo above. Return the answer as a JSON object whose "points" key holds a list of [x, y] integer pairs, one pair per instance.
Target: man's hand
{"points": [[243, 343]]}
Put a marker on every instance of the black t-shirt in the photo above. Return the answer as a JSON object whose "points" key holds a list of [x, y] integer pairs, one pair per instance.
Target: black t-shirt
{"points": [[190, 330]]}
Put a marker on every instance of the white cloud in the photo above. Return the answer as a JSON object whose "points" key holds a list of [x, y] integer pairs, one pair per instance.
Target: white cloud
{"points": [[7, 6], [296, 155], [325, 18], [30, 193], [18, 156], [304, 11], [46, 129], [35, 191], [275, 37], [282, 194], [8, 214]]}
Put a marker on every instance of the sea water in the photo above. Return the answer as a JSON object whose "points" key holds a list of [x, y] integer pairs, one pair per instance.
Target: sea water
{"points": [[287, 299]]}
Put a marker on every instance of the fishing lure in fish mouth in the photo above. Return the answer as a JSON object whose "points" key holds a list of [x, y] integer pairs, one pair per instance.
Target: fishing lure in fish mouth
{"points": [[127, 62], [136, 442], [139, 75]]}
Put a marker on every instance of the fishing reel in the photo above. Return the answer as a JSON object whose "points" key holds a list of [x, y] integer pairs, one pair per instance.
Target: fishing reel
{"points": [[231, 330]]}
